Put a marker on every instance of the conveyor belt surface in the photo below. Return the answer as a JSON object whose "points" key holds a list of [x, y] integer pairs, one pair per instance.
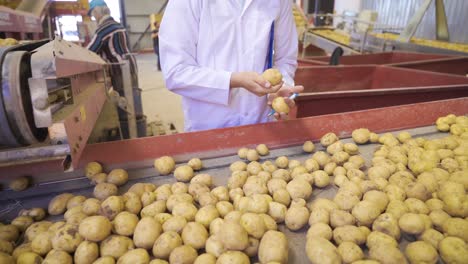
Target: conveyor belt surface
{"points": [[218, 168]]}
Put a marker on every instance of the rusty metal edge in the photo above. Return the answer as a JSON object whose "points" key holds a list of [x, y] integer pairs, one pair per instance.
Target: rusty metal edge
{"points": [[456, 58], [226, 141], [369, 92], [274, 134]]}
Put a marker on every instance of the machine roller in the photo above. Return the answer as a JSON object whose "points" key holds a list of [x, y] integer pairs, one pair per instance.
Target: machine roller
{"points": [[52, 94]]}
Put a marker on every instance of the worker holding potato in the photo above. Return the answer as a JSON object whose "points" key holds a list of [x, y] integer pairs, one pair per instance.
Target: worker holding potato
{"points": [[215, 54]]}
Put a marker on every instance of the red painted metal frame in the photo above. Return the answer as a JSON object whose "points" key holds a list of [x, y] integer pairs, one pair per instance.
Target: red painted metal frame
{"points": [[384, 58], [458, 66], [368, 77], [80, 123], [274, 134], [16, 21], [331, 90], [306, 62]]}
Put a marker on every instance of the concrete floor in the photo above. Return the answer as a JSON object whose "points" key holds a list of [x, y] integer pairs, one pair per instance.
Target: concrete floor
{"points": [[158, 102]]}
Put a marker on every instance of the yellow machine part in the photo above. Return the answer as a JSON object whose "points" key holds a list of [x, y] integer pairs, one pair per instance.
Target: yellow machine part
{"points": [[427, 42], [333, 35], [155, 18], [8, 42]]}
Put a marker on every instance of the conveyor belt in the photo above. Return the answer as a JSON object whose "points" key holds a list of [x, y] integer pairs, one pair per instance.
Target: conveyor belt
{"points": [[39, 196]]}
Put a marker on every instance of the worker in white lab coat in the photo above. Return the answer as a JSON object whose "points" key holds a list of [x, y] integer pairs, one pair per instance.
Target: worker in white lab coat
{"points": [[213, 52]]}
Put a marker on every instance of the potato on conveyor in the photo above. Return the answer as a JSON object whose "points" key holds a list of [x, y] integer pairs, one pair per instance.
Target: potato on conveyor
{"points": [[164, 165], [262, 149], [195, 235], [66, 238], [165, 243], [92, 169], [233, 236], [421, 252], [252, 155], [6, 258], [319, 250], [22, 222], [29, 258], [36, 213], [19, 184], [183, 173], [118, 177], [273, 248], [95, 228], [273, 76], [58, 257], [308, 146], [242, 153], [105, 260], [231, 257], [361, 135], [350, 252], [35, 229], [146, 232], [116, 246], [205, 259], [104, 190], [58, 204], [196, 164], [183, 255], [138, 255], [453, 250], [87, 252]]}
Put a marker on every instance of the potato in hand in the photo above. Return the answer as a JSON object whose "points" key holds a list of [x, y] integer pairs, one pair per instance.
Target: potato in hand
{"points": [[273, 76], [280, 105]]}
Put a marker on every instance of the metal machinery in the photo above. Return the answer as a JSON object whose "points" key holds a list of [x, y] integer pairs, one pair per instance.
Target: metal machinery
{"points": [[218, 148], [55, 99], [374, 39]]}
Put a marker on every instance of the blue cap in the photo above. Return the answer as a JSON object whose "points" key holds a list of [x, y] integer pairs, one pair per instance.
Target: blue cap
{"points": [[95, 3]]}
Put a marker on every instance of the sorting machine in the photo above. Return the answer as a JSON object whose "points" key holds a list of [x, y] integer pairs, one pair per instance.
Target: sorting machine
{"points": [[55, 95], [55, 98], [218, 148]]}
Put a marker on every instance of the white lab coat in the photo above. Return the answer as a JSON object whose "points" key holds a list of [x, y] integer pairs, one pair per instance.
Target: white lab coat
{"points": [[203, 41]]}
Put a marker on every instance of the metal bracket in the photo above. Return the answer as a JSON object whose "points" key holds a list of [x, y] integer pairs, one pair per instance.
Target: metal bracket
{"points": [[442, 32]]}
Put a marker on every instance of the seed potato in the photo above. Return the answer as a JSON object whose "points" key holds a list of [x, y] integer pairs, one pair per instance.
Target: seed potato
{"points": [[350, 252], [164, 165], [104, 190], [165, 243], [320, 230], [183, 255], [95, 228], [116, 246], [86, 253], [273, 248], [138, 255], [320, 250]]}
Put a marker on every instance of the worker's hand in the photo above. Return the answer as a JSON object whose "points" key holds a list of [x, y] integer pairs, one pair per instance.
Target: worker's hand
{"points": [[286, 91], [253, 82]]}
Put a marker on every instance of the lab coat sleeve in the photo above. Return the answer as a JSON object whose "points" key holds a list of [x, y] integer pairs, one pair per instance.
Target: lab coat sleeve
{"points": [[178, 37], [286, 43]]}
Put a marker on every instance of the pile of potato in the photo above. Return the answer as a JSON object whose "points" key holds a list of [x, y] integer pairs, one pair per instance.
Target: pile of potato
{"points": [[415, 189], [8, 42]]}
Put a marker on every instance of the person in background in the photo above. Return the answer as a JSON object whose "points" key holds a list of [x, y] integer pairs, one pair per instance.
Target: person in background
{"points": [[111, 42], [155, 23], [213, 54]]}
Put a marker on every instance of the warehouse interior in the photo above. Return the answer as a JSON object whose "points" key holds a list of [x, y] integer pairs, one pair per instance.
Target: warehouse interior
{"points": [[128, 134]]}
